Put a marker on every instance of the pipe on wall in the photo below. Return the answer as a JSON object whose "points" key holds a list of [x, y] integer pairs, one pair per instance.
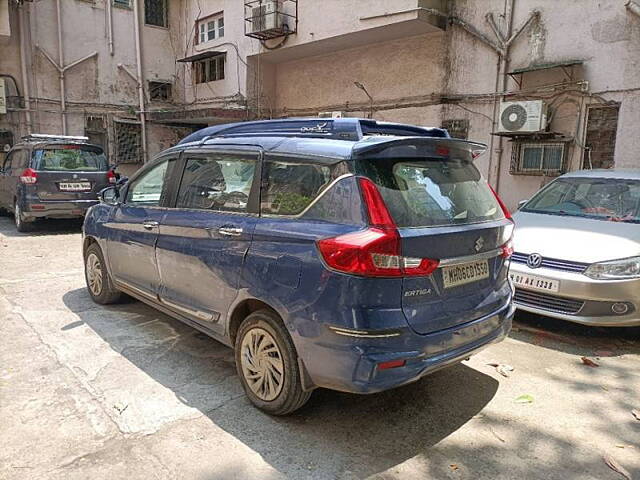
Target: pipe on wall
{"points": [[109, 14], [633, 7], [63, 100], [23, 66], [140, 80]]}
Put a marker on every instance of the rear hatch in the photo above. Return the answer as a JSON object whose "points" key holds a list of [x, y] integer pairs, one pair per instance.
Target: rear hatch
{"points": [[70, 172], [444, 210]]}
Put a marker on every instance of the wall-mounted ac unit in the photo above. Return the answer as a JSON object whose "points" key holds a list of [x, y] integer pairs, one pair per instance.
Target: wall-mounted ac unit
{"points": [[331, 115], [529, 116], [266, 16]]}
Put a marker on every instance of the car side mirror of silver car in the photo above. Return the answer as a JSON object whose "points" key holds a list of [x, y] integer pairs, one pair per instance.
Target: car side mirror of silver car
{"points": [[521, 203], [110, 196]]}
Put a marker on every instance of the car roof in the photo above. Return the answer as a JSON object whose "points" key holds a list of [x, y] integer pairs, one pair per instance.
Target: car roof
{"points": [[320, 137], [621, 173]]}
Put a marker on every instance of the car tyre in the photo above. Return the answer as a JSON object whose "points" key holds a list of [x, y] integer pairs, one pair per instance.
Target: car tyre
{"points": [[22, 224], [267, 364], [99, 283]]}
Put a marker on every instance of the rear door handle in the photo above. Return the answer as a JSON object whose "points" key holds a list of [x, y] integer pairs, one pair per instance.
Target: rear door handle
{"points": [[230, 231], [150, 224]]}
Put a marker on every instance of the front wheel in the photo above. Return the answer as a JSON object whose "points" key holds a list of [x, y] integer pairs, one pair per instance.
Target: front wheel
{"points": [[98, 279], [267, 364]]}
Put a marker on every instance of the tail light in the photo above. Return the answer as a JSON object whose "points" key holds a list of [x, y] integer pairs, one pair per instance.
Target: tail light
{"points": [[29, 176], [111, 176], [505, 210], [374, 252], [507, 249]]}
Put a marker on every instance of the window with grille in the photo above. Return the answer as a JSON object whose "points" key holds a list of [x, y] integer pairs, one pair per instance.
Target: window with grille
{"points": [[95, 130], [209, 70], [160, 91], [602, 127], [538, 158], [457, 128], [122, 3], [127, 142], [211, 28], [155, 13]]}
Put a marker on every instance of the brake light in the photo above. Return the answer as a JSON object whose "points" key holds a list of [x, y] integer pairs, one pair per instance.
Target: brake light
{"points": [[391, 364], [374, 252], [29, 176], [504, 208], [507, 249], [111, 176]]}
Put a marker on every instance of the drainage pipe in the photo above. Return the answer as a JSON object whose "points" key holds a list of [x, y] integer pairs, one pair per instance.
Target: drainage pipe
{"points": [[63, 99], [23, 66], [633, 7], [109, 15], [140, 80]]}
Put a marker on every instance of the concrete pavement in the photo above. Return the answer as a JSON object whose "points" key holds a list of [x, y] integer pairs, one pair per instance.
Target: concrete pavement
{"points": [[124, 391]]}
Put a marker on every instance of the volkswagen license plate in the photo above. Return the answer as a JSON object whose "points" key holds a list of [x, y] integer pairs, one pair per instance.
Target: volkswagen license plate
{"points": [[533, 282]]}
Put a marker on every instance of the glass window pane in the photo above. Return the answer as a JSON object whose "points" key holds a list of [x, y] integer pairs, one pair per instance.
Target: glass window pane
{"points": [[212, 70], [221, 27], [221, 61], [220, 183], [147, 190], [291, 187], [552, 157], [531, 157]]}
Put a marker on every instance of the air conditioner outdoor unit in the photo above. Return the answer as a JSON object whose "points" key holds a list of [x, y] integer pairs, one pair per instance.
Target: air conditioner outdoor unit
{"points": [[266, 16], [330, 114], [529, 116]]}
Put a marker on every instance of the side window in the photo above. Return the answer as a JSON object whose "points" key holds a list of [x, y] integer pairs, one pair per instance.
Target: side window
{"points": [[7, 161], [18, 159], [147, 190], [290, 187], [217, 182]]}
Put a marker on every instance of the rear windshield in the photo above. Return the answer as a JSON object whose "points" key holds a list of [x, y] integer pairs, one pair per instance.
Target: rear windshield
{"points": [[431, 192], [71, 158], [611, 199]]}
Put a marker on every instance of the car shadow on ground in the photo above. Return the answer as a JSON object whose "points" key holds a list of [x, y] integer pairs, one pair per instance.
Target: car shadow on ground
{"points": [[42, 227], [574, 338], [363, 434]]}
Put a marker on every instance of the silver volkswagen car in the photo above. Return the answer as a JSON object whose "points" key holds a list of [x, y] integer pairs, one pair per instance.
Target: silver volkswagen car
{"points": [[577, 245]]}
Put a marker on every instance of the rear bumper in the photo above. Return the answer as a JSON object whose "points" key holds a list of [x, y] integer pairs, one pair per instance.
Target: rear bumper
{"points": [[350, 364], [57, 209]]}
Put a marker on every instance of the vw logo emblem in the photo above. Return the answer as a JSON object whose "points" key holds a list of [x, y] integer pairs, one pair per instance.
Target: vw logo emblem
{"points": [[534, 260], [479, 244]]}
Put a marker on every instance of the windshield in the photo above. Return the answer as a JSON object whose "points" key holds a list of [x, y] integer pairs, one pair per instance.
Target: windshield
{"points": [[611, 199], [431, 192], [71, 158]]}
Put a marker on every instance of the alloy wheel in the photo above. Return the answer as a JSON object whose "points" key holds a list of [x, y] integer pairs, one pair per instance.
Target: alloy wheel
{"points": [[262, 364], [94, 274]]}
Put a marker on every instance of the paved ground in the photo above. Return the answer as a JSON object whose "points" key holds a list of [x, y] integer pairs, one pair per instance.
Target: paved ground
{"points": [[126, 392]]}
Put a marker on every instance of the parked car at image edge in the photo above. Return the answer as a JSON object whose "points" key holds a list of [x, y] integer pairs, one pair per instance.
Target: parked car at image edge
{"points": [[52, 176], [578, 249], [339, 253]]}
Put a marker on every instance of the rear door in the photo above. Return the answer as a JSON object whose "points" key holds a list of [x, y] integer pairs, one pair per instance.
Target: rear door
{"points": [[134, 225], [203, 240], [444, 210], [70, 172]]}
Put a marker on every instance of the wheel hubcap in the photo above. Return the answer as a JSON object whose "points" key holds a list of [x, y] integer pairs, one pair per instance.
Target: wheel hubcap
{"points": [[262, 364], [94, 274]]}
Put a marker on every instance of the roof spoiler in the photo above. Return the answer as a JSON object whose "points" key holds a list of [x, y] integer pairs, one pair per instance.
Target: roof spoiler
{"points": [[54, 138], [441, 146]]}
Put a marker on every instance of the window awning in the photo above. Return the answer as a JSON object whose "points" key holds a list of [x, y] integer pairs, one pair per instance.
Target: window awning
{"points": [[202, 56], [546, 66]]}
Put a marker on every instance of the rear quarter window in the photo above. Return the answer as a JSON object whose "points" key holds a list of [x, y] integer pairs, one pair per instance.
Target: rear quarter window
{"points": [[289, 187]]}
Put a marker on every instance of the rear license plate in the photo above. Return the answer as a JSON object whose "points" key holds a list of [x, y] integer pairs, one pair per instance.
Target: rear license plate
{"points": [[466, 273], [75, 186], [533, 282]]}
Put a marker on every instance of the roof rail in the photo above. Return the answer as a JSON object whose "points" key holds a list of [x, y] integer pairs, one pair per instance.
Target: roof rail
{"points": [[349, 129], [61, 138]]}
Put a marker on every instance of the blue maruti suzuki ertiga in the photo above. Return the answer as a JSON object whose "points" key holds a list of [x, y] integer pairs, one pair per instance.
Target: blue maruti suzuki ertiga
{"points": [[340, 253]]}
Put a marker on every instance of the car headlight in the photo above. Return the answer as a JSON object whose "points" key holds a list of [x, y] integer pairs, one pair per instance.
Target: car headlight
{"points": [[615, 270]]}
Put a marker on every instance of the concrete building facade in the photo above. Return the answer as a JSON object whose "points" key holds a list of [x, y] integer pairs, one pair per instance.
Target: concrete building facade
{"points": [[444, 63]]}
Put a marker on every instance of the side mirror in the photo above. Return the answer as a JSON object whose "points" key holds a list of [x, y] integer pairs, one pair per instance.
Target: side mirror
{"points": [[109, 195], [521, 203]]}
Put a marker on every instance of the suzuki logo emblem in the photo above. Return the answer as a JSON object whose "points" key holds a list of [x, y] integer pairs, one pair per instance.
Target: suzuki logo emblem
{"points": [[75, 175], [479, 244], [534, 260]]}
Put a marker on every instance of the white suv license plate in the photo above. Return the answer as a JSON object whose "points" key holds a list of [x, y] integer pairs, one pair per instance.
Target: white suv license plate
{"points": [[466, 273], [75, 186], [533, 282]]}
